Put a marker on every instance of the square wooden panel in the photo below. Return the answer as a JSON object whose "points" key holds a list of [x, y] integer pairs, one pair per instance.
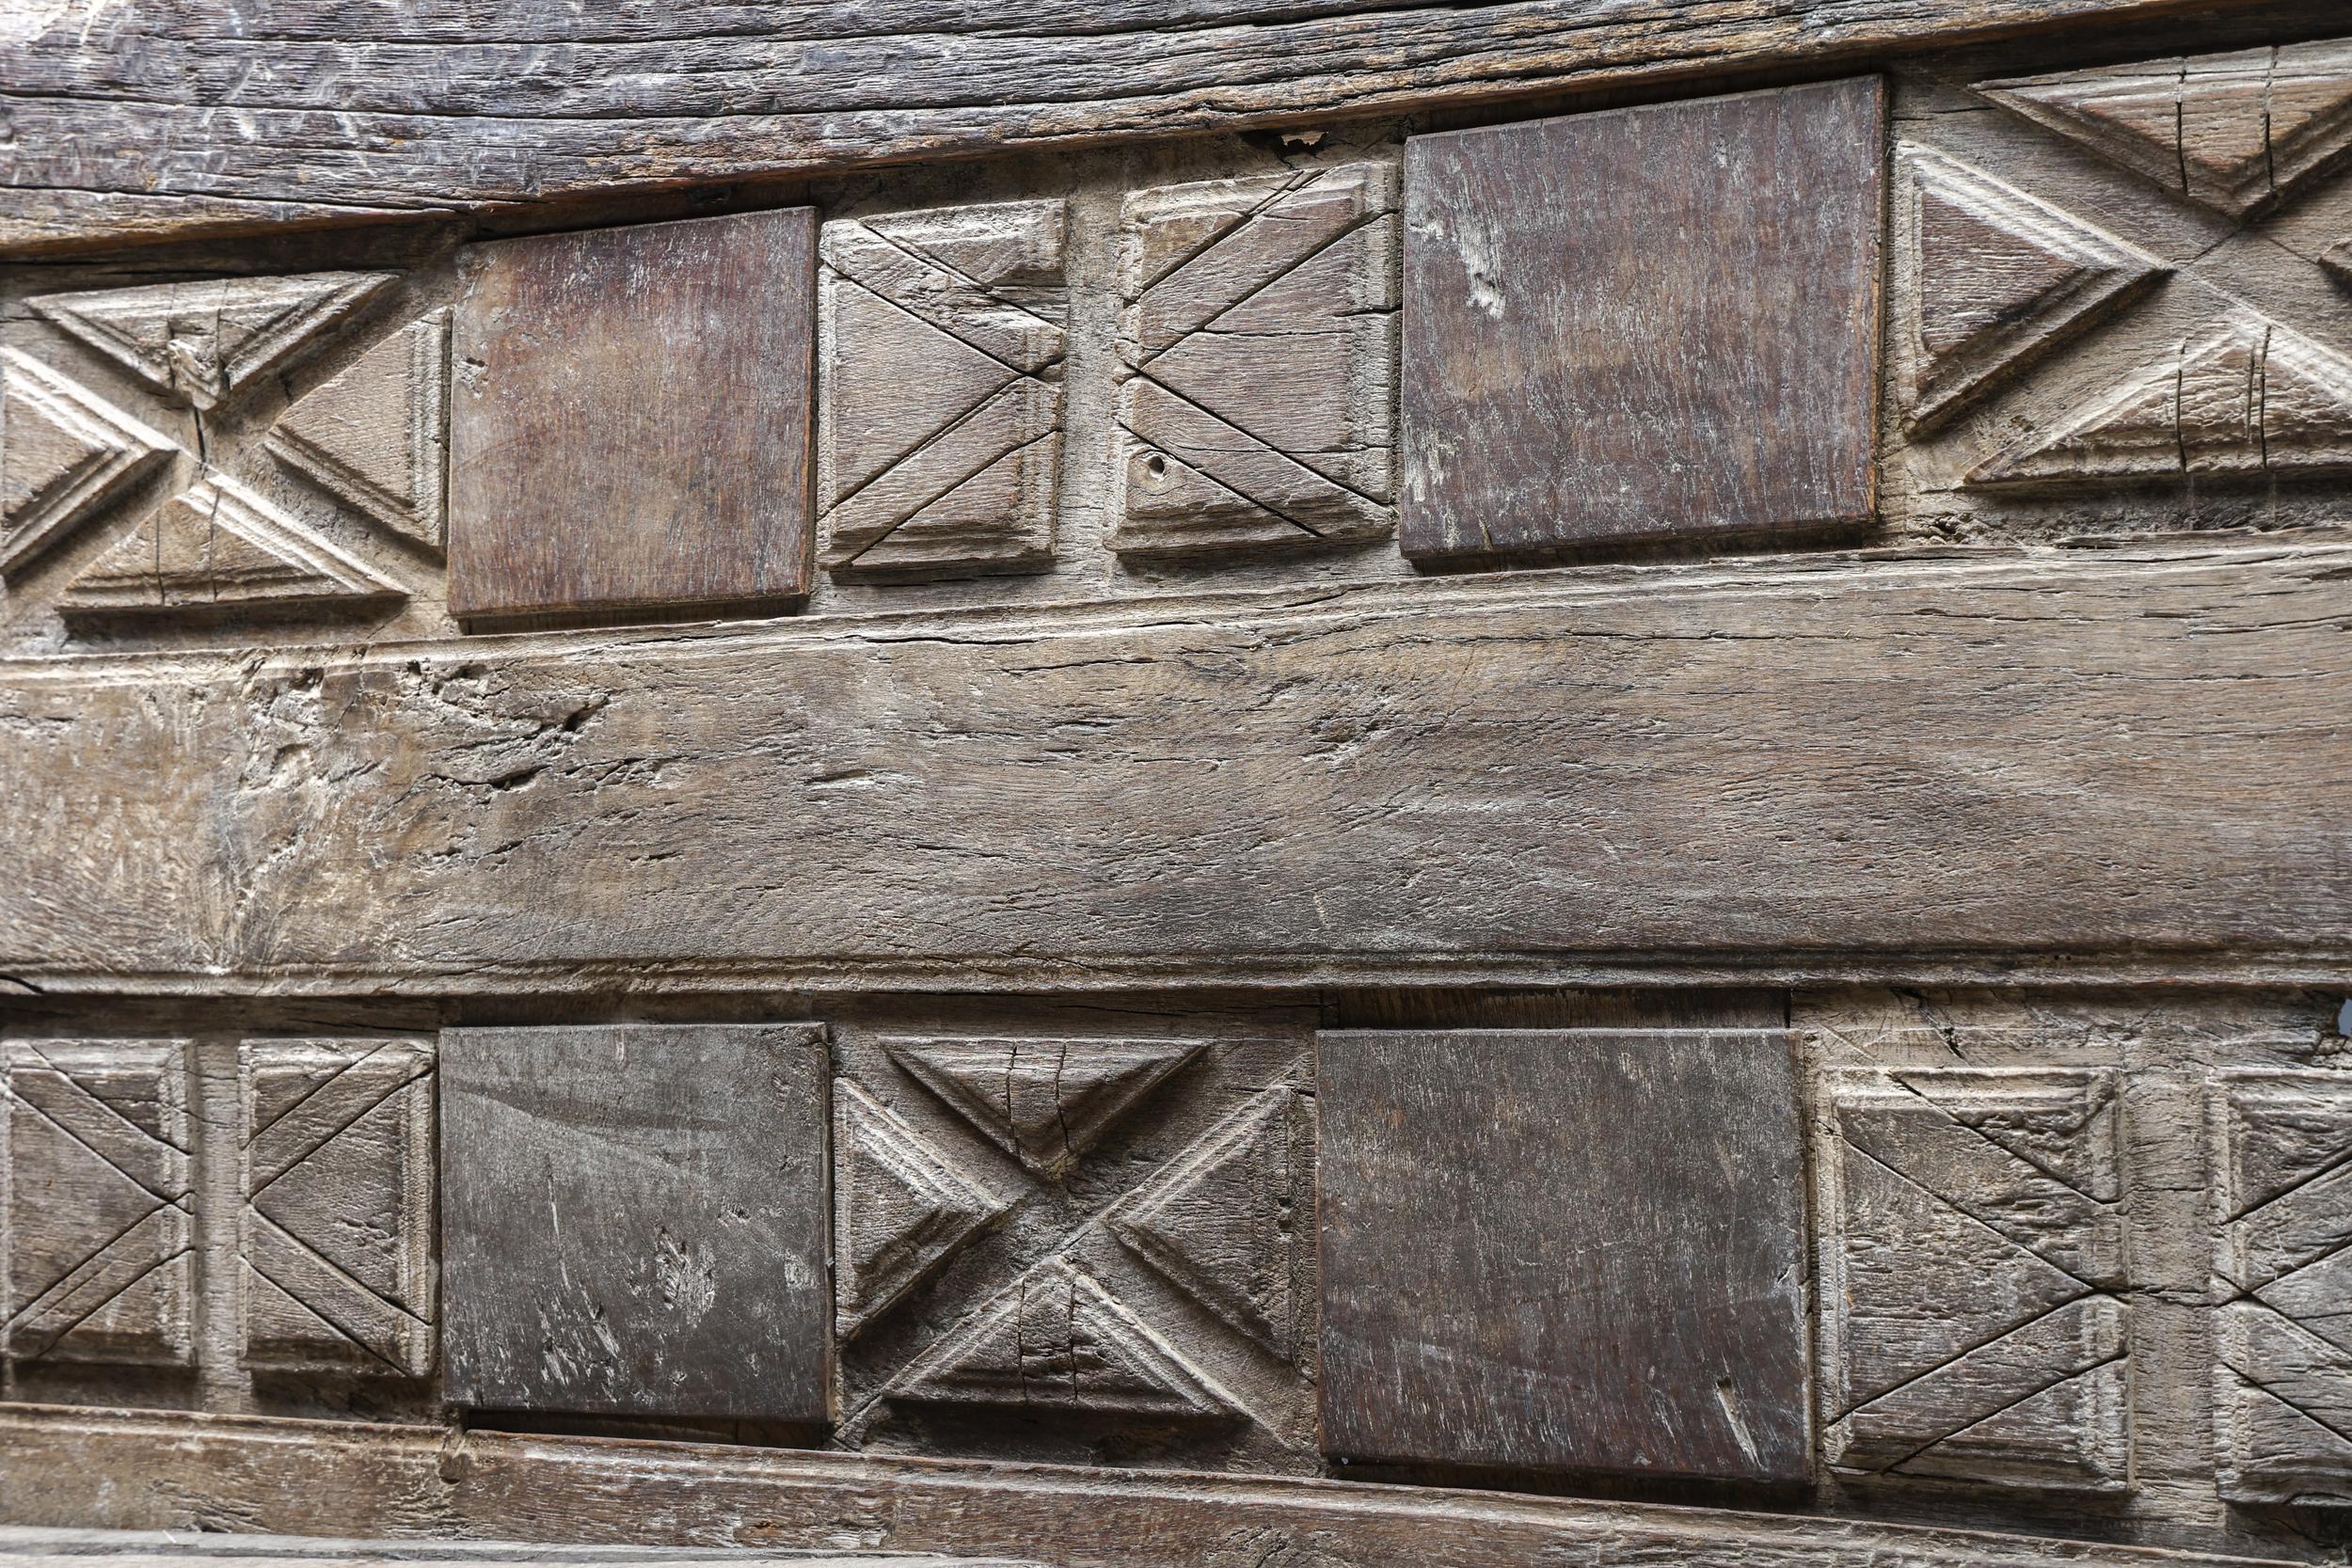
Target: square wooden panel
{"points": [[629, 423], [1650, 323], [1564, 1250], [100, 1264], [336, 1236], [635, 1220]]}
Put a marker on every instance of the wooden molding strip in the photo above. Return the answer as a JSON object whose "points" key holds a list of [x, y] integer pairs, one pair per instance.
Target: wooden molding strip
{"points": [[84, 1468], [2127, 762], [186, 118]]}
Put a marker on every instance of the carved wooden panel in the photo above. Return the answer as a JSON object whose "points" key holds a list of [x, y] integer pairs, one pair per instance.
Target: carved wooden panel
{"points": [[1067, 1245], [2283, 1394], [1972, 1256], [2000, 279], [1257, 345], [1564, 1250], [65, 453], [939, 426], [634, 1219], [336, 1235], [1650, 323], [2245, 398], [100, 1208], [630, 427], [376, 434], [217, 546], [201, 342], [2234, 131]]}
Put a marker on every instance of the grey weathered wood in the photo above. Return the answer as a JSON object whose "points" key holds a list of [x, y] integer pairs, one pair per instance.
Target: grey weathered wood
{"points": [[1258, 346], [336, 1233], [940, 415], [185, 117], [631, 426], [152, 1471], [1972, 1264], [1564, 1250], [376, 434], [1659, 323], [2283, 1206], [2031, 758], [34, 1548], [2235, 131], [100, 1265], [635, 1219]]}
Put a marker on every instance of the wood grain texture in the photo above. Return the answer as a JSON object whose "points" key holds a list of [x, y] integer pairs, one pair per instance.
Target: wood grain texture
{"points": [[1651, 324], [26, 1547], [1823, 767], [1605, 1264], [337, 1241], [632, 426], [189, 116], [2282, 1205], [84, 1468], [635, 1220], [100, 1263], [1974, 1321]]}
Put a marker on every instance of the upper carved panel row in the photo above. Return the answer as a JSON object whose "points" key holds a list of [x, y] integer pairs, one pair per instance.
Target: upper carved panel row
{"points": [[2122, 297]]}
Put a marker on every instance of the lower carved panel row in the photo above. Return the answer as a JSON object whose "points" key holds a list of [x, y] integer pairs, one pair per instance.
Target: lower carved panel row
{"points": [[1239, 1245]]}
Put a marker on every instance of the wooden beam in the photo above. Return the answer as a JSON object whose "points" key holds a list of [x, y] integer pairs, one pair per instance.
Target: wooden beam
{"points": [[170, 118], [84, 1468], [2099, 764]]}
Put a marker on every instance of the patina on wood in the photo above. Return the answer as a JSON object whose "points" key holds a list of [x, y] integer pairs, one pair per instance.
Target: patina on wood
{"points": [[321, 1478], [1841, 766], [161, 118]]}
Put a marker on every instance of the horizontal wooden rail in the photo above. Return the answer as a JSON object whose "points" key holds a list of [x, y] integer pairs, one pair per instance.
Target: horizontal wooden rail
{"points": [[2113, 763]]}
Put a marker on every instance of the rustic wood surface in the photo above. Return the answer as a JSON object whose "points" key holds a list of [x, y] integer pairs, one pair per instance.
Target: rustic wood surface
{"points": [[157, 1471], [632, 424], [1829, 767], [63, 1548], [1658, 322], [1564, 1250], [636, 1219], [186, 116]]}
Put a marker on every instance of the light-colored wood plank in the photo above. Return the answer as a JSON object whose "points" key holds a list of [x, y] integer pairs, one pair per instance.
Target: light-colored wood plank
{"points": [[2094, 761], [84, 1468]]}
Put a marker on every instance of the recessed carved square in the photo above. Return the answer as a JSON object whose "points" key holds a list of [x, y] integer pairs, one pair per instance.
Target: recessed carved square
{"points": [[940, 413], [337, 1234], [1259, 345], [1972, 1250], [1048, 1241], [101, 1261], [2282, 1274]]}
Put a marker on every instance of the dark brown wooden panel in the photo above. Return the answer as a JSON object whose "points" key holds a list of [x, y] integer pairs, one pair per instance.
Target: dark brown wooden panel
{"points": [[189, 116], [636, 1219], [1882, 769], [630, 426], [1606, 1260], [323, 1478], [1652, 324]]}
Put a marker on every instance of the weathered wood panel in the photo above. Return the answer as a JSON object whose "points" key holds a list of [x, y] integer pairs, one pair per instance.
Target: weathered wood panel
{"points": [[2100, 760], [26, 1547], [632, 427], [1604, 1238], [1659, 323], [181, 117], [636, 1218], [75, 1467]]}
